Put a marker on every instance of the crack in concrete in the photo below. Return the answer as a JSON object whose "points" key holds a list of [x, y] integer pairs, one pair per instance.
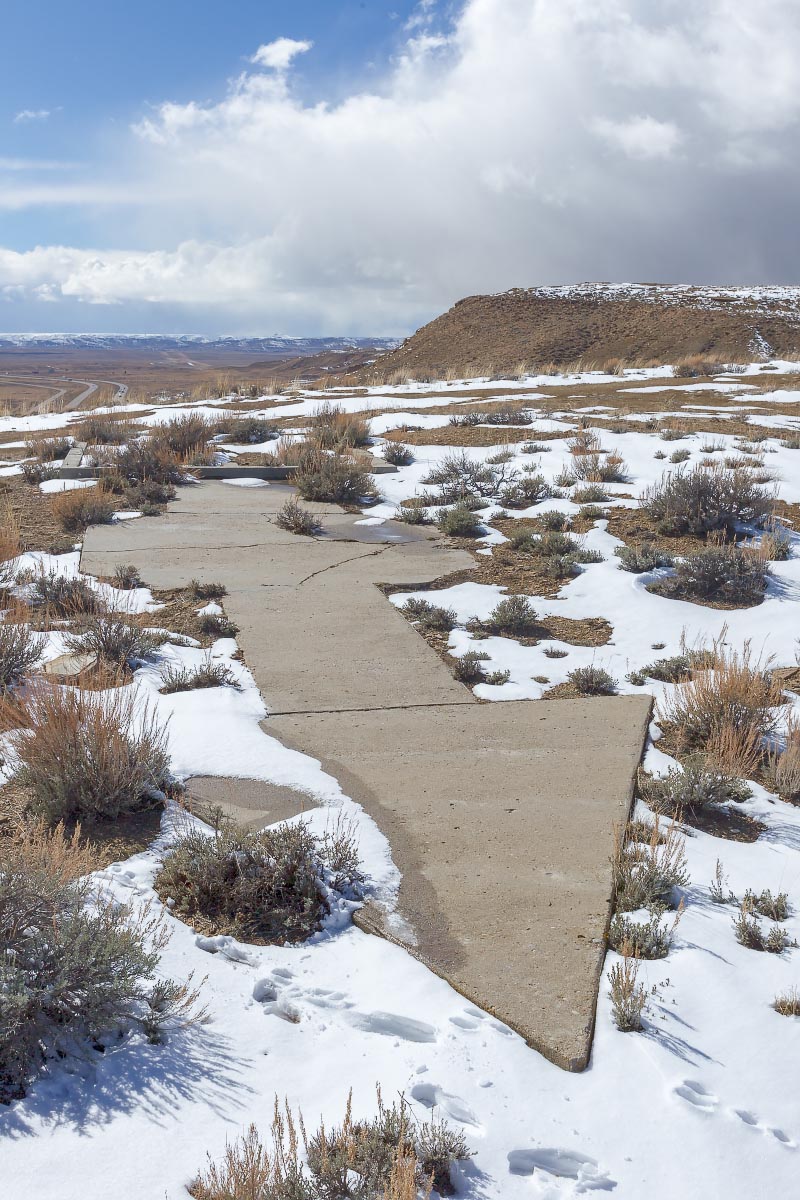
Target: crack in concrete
{"points": [[344, 562]]}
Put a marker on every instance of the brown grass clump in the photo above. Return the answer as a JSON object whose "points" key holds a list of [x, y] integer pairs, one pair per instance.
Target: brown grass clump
{"points": [[388, 1157], [788, 1003], [81, 507], [735, 699], [334, 479], [334, 429], [783, 767], [89, 756]]}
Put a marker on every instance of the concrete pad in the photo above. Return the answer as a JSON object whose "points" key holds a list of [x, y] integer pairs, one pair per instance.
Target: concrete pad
{"points": [[500, 818], [250, 802]]}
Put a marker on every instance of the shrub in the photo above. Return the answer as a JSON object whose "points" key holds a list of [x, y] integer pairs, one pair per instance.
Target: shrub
{"points": [[718, 574], [333, 479], [397, 454], [459, 521], [645, 873], [183, 436], [334, 429], [148, 461], [90, 755], [628, 996], [788, 1003], [411, 513], [524, 490], [591, 494], [691, 791], [48, 449], [644, 939], [390, 1157], [468, 667], [597, 467], [63, 596], [591, 512], [783, 769], [209, 674], [638, 559], [429, 616], [749, 933], [739, 695], [592, 681], [113, 639], [775, 908], [294, 518], [514, 615], [668, 670], [250, 431], [76, 970], [534, 448], [775, 544], [105, 431], [267, 887], [459, 476], [76, 509], [36, 472], [679, 456], [127, 578], [704, 499], [217, 625], [550, 521], [206, 591], [20, 649]]}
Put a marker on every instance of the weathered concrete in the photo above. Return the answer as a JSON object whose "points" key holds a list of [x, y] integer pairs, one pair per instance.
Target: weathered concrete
{"points": [[500, 816], [250, 802]]}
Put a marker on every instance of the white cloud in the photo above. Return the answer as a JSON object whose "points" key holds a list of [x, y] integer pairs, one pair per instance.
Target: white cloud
{"points": [[32, 114], [524, 143], [641, 137], [278, 55]]}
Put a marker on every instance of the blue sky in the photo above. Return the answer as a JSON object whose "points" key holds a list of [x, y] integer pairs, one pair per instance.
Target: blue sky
{"points": [[94, 66], [329, 167]]}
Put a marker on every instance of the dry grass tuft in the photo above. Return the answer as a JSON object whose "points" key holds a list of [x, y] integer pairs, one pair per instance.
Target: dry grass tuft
{"points": [[733, 704], [788, 1003], [81, 507], [388, 1157], [628, 995]]}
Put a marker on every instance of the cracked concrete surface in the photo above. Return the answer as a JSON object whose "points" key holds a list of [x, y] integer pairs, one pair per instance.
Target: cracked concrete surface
{"points": [[500, 816]]}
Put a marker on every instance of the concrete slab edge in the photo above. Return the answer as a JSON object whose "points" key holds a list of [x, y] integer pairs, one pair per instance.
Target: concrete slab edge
{"points": [[372, 919]]}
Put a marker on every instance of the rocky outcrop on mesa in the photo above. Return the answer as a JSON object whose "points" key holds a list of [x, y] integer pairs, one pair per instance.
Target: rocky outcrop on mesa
{"points": [[596, 324]]}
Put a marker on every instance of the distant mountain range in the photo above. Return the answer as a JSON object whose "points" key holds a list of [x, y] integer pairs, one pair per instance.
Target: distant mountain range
{"points": [[153, 341]]}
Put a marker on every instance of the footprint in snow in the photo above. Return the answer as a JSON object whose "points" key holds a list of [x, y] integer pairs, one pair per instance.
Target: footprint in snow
{"points": [[432, 1096], [698, 1096], [273, 1003], [753, 1122], [469, 1019], [563, 1164], [393, 1025]]}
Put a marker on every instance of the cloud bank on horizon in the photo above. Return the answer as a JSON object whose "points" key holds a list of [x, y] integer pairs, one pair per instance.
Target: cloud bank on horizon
{"points": [[517, 142]]}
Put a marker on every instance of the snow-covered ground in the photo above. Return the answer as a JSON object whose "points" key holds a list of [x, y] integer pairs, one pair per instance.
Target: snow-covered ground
{"points": [[702, 1103]]}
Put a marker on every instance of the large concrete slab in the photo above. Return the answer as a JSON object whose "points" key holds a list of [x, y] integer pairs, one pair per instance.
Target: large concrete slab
{"points": [[499, 816]]}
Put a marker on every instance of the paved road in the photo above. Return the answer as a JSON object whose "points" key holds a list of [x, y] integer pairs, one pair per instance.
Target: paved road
{"points": [[499, 816], [90, 387]]}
